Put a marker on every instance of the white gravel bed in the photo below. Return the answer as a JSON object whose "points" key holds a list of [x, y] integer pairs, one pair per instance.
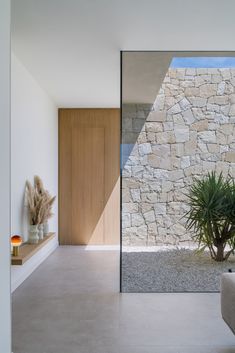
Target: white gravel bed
{"points": [[172, 270]]}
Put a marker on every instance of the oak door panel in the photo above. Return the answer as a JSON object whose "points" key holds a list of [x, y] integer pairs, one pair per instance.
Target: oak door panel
{"points": [[65, 172], [89, 168], [88, 185]]}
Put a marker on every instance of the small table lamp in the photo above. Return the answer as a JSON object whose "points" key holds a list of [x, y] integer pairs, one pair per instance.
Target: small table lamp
{"points": [[16, 241]]}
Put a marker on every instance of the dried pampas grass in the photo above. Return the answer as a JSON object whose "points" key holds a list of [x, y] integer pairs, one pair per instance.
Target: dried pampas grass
{"points": [[39, 202], [38, 184]]}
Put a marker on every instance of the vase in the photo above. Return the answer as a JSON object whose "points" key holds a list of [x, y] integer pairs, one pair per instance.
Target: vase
{"points": [[45, 229], [40, 231], [33, 234]]}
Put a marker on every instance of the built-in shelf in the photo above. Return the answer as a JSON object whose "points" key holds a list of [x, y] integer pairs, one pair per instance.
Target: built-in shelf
{"points": [[26, 251]]}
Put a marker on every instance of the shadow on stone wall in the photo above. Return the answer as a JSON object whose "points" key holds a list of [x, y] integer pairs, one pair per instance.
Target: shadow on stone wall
{"points": [[133, 120]]}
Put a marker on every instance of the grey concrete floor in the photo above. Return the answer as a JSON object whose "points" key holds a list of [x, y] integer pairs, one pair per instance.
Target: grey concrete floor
{"points": [[71, 304]]}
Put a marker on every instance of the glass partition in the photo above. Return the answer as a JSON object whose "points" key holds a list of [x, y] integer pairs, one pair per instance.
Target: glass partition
{"points": [[178, 114]]}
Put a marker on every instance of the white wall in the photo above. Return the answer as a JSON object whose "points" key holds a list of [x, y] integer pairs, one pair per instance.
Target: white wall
{"points": [[5, 317], [34, 143]]}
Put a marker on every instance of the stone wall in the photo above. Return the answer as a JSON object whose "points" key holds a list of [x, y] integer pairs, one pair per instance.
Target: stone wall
{"points": [[186, 133]]}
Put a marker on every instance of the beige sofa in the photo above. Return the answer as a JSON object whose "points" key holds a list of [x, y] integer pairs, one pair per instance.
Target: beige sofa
{"points": [[228, 299]]}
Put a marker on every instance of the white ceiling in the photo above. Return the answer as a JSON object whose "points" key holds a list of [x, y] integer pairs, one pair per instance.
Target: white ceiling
{"points": [[72, 47]]}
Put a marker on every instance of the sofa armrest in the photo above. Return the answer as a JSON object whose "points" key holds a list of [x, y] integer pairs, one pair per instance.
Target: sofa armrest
{"points": [[228, 299]]}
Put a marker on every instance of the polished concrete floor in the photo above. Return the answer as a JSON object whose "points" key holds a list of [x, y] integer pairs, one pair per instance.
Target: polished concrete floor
{"points": [[71, 304]]}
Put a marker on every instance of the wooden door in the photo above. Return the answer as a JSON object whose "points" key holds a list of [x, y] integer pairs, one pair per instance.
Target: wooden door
{"points": [[89, 176]]}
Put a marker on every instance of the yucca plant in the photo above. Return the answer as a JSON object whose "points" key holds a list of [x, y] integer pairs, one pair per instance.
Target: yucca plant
{"points": [[212, 215]]}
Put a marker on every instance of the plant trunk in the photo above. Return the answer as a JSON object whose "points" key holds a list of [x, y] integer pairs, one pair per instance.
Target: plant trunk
{"points": [[220, 253]]}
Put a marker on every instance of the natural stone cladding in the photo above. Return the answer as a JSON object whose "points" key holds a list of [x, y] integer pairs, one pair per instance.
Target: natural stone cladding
{"points": [[186, 133]]}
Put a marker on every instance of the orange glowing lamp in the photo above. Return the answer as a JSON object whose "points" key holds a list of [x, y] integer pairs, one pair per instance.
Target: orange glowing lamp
{"points": [[16, 241]]}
